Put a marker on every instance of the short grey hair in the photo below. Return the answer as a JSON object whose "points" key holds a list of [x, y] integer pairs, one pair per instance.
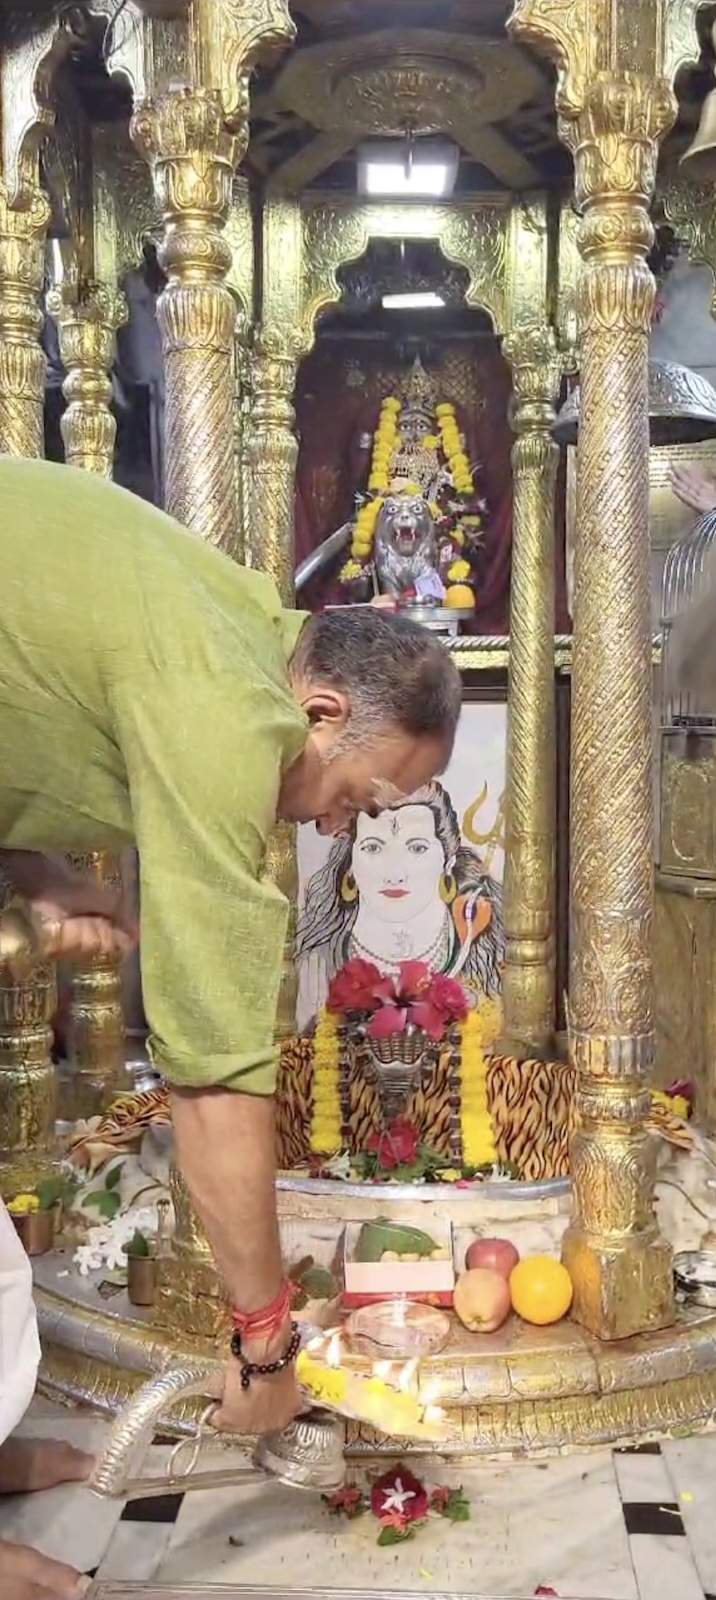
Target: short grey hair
{"points": [[396, 673]]}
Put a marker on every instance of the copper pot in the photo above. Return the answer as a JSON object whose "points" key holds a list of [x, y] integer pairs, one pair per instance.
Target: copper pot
{"points": [[36, 1230]]}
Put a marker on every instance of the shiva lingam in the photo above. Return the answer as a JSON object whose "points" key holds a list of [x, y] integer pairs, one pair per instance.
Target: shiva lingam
{"points": [[395, 1064], [308, 1454]]}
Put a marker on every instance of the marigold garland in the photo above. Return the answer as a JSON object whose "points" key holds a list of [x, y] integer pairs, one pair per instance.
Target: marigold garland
{"points": [[478, 1137], [326, 1120]]}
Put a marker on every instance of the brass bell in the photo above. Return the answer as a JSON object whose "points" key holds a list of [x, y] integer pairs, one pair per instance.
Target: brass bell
{"points": [[699, 161]]}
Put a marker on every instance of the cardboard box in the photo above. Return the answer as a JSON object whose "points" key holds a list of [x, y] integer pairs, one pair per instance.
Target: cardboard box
{"points": [[427, 1280]]}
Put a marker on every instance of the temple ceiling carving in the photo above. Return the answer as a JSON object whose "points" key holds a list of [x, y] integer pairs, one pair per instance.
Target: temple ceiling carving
{"points": [[366, 67]]}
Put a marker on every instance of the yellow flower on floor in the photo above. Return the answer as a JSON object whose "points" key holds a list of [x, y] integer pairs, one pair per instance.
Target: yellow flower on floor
{"points": [[459, 571], [23, 1203]]}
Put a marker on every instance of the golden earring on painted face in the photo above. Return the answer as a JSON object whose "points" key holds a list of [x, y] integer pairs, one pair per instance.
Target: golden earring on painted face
{"points": [[448, 888], [349, 889]]}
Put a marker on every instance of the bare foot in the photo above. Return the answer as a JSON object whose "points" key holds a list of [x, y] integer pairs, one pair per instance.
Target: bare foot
{"points": [[26, 1574], [28, 1465]]}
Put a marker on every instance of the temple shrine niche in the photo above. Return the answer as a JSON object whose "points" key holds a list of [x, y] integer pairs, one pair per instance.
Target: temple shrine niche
{"points": [[463, 1050]]}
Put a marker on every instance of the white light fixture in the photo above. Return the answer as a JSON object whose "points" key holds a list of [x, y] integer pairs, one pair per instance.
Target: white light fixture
{"points": [[395, 169], [419, 301]]}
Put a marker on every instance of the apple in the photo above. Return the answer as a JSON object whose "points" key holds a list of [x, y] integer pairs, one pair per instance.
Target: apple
{"points": [[482, 1299], [499, 1254]]}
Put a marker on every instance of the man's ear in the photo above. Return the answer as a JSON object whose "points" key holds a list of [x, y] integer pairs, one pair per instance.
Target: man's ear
{"points": [[326, 707]]}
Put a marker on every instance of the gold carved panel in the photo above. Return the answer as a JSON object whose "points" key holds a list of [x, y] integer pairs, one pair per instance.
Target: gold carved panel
{"points": [[685, 988], [687, 824], [474, 235]]}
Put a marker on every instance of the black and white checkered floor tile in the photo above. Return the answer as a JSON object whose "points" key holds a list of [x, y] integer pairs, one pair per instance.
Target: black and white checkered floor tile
{"points": [[644, 1529]]}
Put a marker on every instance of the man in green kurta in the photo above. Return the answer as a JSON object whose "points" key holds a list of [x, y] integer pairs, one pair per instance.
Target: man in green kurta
{"points": [[153, 693]]}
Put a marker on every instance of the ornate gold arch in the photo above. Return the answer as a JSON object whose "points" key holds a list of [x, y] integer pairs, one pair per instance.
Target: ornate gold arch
{"points": [[473, 235]]}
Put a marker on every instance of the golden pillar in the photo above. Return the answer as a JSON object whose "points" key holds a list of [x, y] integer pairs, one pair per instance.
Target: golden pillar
{"points": [[530, 852], [27, 1076], [614, 107], [194, 138], [193, 154], [87, 318], [271, 458]]}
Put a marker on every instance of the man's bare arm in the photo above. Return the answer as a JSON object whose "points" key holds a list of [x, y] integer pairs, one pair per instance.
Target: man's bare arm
{"points": [[226, 1151]]}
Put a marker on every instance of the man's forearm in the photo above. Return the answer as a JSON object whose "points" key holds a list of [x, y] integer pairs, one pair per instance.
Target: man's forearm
{"points": [[226, 1152]]}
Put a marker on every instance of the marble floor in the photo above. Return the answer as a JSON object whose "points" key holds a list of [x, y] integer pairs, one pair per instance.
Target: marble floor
{"points": [[644, 1529]]}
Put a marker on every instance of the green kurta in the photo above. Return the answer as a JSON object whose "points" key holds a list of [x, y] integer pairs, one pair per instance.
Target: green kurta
{"points": [[144, 699]]}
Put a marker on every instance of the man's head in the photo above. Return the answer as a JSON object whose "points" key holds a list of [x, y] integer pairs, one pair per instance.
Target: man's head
{"points": [[382, 697]]}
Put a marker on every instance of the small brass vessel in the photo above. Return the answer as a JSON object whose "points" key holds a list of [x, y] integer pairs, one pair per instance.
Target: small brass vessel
{"points": [[36, 1230], [142, 1280]]}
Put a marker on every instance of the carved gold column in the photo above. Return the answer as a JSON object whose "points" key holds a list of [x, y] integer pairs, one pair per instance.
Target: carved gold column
{"points": [[27, 1076], [615, 106], [271, 458], [87, 318], [193, 153], [194, 138], [529, 970]]}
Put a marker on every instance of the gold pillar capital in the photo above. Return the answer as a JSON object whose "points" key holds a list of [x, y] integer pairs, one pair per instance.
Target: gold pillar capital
{"points": [[537, 366], [183, 133], [632, 42]]}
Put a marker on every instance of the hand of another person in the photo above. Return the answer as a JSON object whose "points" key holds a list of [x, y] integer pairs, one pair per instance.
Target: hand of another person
{"points": [[267, 1406], [384, 602], [694, 486], [79, 919]]}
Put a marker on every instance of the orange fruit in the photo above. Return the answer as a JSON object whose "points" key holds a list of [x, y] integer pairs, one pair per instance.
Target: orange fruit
{"points": [[541, 1290]]}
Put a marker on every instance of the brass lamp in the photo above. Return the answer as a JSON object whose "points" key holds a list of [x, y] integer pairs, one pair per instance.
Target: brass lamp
{"points": [[682, 407]]}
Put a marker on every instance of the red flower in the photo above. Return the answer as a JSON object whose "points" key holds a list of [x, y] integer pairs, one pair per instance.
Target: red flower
{"points": [[401, 1494], [439, 1499], [359, 986], [398, 1147], [414, 980], [449, 998], [389, 1019], [347, 1501]]}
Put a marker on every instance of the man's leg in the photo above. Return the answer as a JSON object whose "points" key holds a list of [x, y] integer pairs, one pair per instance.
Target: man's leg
{"points": [[27, 1464]]}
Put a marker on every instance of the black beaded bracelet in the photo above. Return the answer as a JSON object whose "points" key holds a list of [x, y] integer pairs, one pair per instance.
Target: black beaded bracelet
{"points": [[267, 1369]]}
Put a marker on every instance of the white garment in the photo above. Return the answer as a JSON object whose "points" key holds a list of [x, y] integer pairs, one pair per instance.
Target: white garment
{"points": [[19, 1338]]}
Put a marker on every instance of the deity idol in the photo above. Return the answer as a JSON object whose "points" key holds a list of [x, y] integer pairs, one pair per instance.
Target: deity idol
{"points": [[417, 530], [402, 886]]}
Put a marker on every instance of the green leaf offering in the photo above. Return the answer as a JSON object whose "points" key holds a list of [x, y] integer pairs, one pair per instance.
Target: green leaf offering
{"points": [[106, 1202], [377, 1237], [114, 1178]]}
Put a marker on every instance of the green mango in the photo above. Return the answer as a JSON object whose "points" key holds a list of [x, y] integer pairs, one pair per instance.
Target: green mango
{"points": [[377, 1237]]}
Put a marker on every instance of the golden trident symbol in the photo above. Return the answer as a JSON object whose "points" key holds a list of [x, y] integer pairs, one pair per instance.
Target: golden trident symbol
{"points": [[489, 842]]}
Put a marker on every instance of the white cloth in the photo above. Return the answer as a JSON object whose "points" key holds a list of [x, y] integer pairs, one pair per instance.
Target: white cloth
{"points": [[19, 1338]]}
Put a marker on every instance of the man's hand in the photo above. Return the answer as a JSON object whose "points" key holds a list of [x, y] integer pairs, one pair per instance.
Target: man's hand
{"points": [[267, 1406], [694, 486], [75, 917]]}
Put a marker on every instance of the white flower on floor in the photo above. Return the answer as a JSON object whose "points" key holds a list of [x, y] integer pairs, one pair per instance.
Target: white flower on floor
{"points": [[103, 1249], [396, 1498]]}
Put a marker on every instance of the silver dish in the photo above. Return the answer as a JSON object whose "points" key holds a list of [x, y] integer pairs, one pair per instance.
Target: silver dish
{"points": [[695, 1277]]}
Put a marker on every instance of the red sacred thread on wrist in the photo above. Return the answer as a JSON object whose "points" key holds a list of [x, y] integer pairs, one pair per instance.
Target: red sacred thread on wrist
{"points": [[269, 1320]]}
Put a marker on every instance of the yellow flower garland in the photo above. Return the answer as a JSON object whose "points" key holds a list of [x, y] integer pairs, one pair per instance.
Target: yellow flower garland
{"points": [[478, 1138], [326, 1119]]}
